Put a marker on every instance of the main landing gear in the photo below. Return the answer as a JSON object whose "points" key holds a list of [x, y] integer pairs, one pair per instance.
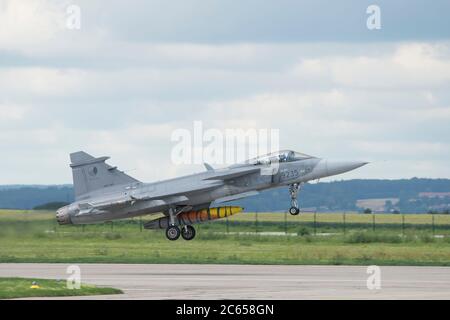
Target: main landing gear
{"points": [[294, 190], [187, 233], [173, 232]]}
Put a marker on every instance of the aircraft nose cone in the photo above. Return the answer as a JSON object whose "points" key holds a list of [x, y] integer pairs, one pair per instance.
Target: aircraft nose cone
{"points": [[337, 167]]}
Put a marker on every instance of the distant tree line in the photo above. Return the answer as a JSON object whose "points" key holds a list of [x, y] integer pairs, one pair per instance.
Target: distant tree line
{"points": [[342, 195], [51, 206], [28, 197], [332, 196]]}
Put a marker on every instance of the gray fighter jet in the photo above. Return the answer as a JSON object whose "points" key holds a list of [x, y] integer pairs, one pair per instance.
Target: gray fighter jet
{"points": [[103, 193]]}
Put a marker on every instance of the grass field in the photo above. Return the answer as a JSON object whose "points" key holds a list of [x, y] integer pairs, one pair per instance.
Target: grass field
{"points": [[11, 288], [31, 236]]}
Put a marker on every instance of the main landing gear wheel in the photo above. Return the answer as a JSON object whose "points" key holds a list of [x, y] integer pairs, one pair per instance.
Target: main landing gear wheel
{"points": [[188, 233], [173, 233], [294, 211]]}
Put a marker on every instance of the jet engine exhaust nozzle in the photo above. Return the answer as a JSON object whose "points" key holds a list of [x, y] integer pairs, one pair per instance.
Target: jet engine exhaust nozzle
{"points": [[63, 216]]}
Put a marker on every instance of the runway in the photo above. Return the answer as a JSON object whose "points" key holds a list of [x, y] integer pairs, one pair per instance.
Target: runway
{"points": [[248, 281]]}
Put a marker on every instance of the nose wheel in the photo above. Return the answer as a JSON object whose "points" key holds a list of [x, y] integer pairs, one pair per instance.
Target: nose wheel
{"points": [[294, 190]]}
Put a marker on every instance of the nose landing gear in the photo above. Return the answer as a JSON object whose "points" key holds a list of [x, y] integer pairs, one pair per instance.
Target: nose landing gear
{"points": [[294, 190]]}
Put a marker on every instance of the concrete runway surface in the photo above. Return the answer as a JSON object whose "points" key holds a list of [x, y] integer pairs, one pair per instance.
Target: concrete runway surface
{"points": [[248, 281]]}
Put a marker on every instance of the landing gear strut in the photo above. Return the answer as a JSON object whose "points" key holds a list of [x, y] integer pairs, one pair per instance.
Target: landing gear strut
{"points": [[293, 190], [172, 232]]}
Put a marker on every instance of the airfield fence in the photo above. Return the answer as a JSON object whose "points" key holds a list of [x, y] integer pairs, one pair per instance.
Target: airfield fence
{"points": [[260, 223], [315, 223], [307, 223]]}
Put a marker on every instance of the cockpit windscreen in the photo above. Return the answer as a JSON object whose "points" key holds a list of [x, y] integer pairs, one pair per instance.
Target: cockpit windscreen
{"points": [[280, 156]]}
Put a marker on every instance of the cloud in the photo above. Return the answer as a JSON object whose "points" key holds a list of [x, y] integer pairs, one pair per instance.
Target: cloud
{"points": [[322, 105], [11, 113], [40, 82], [283, 21], [410, 66], [28, 23], [120, 91]]}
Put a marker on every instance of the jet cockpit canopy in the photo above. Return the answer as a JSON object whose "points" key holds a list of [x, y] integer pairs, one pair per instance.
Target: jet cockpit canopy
{"points": [[279, 156]]}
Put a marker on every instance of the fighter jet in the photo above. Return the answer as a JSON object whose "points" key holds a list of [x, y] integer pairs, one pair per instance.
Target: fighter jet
{"points": [[104, 193]]}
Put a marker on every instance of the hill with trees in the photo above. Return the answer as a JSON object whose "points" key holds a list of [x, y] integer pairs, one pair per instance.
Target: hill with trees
{"points": [[323, 196]]}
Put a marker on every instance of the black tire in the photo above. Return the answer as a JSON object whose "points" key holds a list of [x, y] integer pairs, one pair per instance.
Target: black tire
{"points": [[173, 233], [188, 233], [294, 211]]}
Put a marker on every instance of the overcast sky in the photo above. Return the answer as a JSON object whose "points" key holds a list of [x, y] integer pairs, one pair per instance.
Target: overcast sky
{"points": [[138, 70]]}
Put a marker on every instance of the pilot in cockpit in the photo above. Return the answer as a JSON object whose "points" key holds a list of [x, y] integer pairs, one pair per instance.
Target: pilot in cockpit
{"points": [[291, 156], [282, 157]]}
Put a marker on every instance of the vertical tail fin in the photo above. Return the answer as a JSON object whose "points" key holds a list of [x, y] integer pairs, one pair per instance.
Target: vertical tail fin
{"points": [[91, 174]]}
